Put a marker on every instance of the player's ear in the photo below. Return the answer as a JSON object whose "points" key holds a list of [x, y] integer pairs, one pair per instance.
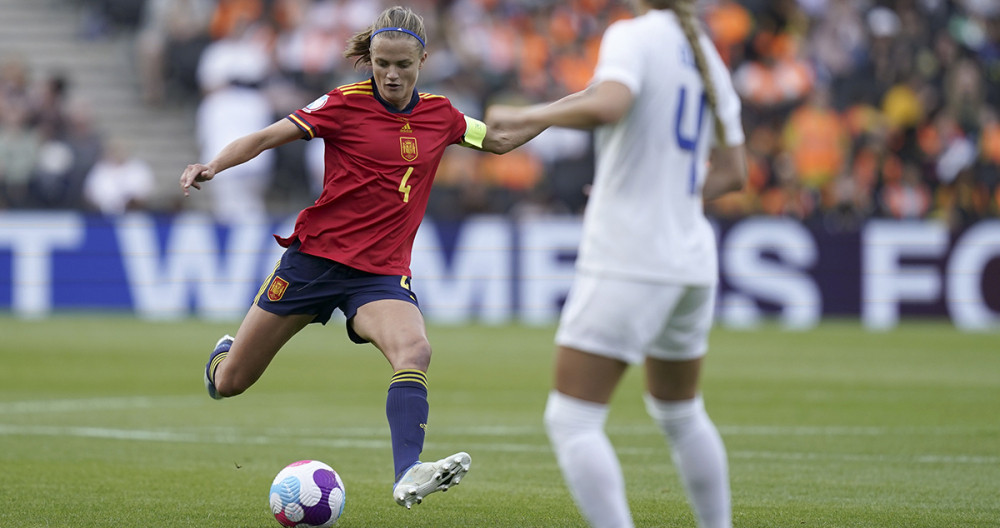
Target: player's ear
{"points": [[423, 58]]}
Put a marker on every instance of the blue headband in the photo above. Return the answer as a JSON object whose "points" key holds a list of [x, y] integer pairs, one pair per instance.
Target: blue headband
{"points": [[401, 30]]}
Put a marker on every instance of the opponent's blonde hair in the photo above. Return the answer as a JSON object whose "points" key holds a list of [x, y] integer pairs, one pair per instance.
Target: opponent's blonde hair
{"points": [[359, 45], [684, 9]]}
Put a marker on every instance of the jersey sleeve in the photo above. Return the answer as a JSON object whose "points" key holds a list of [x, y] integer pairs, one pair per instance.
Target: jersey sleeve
{"points": [[619, 59], [317, 119], [464, 130]]}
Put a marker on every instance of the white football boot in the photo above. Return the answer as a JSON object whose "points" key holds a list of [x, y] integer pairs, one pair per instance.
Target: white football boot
{"points": [[424, 478]]}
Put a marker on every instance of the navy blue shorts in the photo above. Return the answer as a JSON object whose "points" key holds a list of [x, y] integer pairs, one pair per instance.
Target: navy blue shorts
{"points": [[305, 284]]}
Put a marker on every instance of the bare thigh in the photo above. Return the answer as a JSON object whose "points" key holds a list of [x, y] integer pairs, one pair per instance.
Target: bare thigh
{"points": [[587, 376], [397, 329], [259, 338], [673, 380]]}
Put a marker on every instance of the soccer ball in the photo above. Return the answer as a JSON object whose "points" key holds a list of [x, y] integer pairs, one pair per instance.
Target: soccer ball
{"points": [[307, 494]]}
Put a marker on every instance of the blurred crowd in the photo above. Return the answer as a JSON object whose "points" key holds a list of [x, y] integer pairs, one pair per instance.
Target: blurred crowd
{"points": [[856, 109], [852, 108], [52, 155]]}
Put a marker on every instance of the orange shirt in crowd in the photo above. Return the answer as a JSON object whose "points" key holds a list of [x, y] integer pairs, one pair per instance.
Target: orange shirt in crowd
{"points": [[989, 143], [815, 138], [230, 13], [518, 170], [730, 24]]}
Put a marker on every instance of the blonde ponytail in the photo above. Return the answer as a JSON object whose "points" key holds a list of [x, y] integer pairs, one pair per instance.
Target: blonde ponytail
{"points": [[684, 9]]}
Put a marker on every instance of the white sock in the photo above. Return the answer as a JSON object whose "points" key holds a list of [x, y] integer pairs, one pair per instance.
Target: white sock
{"points": [[699, 455], [587, 460]]}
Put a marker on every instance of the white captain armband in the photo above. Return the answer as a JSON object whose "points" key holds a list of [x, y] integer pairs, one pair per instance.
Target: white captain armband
{"points": [[475, 133]]}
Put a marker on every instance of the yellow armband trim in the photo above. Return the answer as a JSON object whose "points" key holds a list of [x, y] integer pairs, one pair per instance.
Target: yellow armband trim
{"points": [[475, 133]]}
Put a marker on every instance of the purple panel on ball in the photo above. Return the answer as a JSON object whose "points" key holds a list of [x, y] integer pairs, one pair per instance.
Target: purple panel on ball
{"points": [[325, 479], [317, 515], [320, 513]]}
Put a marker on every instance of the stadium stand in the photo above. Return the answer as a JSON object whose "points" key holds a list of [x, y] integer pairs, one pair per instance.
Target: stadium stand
{"points": [[48, 43], [853, 110]]}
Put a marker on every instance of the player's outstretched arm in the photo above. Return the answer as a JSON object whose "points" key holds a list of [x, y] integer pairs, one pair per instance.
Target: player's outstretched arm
{"points": [[239, 151]]}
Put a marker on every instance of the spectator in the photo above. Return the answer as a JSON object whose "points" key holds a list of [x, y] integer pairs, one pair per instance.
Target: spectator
{"points": [[118, 182], [230, 15], [231, 73], [730, 24], [15, 87], [19, 146], [48, 107], [908, 198], [311, 37], [64, 161], [815, 139], [170, 40]]}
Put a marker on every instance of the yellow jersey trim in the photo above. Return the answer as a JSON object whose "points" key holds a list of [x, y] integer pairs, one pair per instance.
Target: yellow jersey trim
{"points": [[302, 124]]}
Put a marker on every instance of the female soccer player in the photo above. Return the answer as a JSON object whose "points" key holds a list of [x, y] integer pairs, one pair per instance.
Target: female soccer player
{"points": [[646, 271], [351, 249]]}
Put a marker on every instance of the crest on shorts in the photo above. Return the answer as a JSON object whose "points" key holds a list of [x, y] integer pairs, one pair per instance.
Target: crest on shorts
{"points": [[277, 289], [408, 148]]}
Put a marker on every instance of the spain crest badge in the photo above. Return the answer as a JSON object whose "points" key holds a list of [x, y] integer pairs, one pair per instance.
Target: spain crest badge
{"points": [[277, 289], [408, 148]]}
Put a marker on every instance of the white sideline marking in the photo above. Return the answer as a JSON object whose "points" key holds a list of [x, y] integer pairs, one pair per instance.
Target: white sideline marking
{"points": [[847, 457], [95, 404], [144, 402], [148, 402], [234, 437], [145, 435]]}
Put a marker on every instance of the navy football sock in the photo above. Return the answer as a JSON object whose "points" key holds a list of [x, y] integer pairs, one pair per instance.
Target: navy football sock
{"points": [[214, 365], [406, 408]]}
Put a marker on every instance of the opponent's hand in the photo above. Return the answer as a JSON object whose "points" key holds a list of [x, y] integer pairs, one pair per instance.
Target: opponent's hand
{"points": [[195, 174], [509, 127], [504, 117]]}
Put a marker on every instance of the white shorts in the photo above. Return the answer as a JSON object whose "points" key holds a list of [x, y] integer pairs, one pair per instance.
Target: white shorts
{"points": [[630, 320]]}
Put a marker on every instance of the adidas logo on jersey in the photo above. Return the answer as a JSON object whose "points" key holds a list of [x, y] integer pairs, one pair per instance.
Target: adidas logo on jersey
{"points": [[406, 127]]}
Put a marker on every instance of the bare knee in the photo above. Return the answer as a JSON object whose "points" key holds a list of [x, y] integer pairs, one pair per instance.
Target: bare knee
{"points": [[673, 380], [228, 391], [412, 353], [228, 383]]}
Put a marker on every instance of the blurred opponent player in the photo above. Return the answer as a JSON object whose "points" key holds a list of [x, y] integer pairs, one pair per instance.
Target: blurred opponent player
{"points": [[351, 249], [668, 136]]}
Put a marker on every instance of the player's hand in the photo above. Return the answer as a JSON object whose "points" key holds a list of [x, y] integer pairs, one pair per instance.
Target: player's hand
{"points": [[195, 174]]}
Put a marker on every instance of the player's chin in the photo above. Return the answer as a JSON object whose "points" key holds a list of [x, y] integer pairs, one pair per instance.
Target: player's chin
{"points": [[396, 95]]}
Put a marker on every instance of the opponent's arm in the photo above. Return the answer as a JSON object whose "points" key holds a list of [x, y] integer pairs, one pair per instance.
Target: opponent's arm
{"points": [[601, 104], [496, 139], [604, 103], [503, 140], [240, 151]]}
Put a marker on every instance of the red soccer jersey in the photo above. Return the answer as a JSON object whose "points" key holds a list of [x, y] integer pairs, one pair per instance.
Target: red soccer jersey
{"points": [[379, 166]]}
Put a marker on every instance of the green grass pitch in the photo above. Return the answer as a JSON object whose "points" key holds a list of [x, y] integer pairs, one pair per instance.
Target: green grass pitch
{"points": [[104, 423]]}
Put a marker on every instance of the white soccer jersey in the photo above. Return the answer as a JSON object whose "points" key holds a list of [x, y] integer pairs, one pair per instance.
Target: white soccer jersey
{"points": [[644, 219]]}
